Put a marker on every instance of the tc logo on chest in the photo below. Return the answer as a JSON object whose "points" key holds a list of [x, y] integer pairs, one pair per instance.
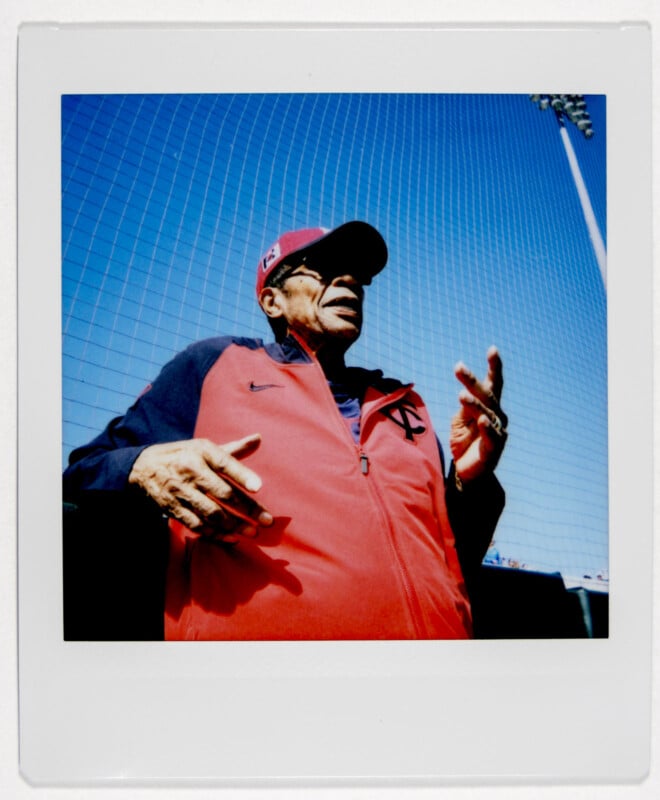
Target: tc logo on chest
{"points": [[404, 414]]}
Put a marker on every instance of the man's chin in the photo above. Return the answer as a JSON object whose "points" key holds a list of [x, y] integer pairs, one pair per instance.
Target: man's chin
{"points": [[350, 326], [346, 333]]}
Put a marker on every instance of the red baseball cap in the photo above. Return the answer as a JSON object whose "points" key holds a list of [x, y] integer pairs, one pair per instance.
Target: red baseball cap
{"points": [[356, 243]]}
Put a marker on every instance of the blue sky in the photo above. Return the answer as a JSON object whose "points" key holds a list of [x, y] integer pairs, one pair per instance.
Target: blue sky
{"points": [[169, 200]]}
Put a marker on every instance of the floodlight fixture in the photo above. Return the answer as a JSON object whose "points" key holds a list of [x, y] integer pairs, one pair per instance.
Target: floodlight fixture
{"points": [[570, 106]]}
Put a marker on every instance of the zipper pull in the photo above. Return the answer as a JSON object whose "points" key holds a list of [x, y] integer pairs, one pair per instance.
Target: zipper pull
{"points": [[364, 463]]}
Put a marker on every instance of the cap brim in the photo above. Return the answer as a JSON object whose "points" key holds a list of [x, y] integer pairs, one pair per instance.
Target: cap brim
{"points": [[357, 244]]}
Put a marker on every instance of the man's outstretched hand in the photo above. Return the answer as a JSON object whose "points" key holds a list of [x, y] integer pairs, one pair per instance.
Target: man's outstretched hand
{"points": [[204, 485], [478, 430]]}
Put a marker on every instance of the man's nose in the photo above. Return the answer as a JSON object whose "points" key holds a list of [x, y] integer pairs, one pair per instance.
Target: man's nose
{"points": [[349, 279]]}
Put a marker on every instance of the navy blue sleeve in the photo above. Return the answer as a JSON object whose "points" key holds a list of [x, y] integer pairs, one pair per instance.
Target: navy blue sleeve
{"points": [[165, 412], [473, 514]]}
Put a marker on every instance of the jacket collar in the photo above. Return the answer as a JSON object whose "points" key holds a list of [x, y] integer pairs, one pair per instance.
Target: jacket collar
{"points": [[288, 351], [291, 351]]}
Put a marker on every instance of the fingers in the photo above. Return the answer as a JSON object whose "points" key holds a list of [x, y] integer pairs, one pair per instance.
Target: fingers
{"points": [[224, 459], [215, 516], [482, 415], [225, 482], [202, 515], [488, 391], [495, 371], [479, 429], [483, 390], [204, 485]]}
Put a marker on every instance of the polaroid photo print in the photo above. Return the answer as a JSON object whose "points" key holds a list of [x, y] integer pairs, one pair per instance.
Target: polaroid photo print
{"points": [[425, 286]]}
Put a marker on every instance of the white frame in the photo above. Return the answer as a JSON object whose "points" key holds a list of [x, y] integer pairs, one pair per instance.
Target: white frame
{"points": [[348, 711]]}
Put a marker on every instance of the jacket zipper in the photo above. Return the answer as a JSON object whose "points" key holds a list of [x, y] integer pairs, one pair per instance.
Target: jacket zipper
{"points": [[409, 591], [408, 588]]}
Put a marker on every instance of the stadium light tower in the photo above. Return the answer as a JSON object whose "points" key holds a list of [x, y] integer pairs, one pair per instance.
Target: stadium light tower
{"points": [[573, 107]]}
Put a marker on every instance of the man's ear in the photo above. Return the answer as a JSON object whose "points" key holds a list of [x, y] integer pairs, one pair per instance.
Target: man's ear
{"points": [[270, 301]]}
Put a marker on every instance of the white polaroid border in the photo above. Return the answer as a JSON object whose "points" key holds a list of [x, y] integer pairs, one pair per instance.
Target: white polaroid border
{"points": [[437, 712]]}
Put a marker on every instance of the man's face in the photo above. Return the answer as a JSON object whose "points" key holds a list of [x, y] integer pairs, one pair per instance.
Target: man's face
{"points": [[322, 304]]}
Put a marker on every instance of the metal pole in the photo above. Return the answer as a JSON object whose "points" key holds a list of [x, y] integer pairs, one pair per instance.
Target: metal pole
{"points": [[587, 209]]}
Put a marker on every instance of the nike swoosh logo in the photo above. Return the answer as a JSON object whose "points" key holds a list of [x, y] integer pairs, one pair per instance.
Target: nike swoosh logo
{"points": [[259, 387]]}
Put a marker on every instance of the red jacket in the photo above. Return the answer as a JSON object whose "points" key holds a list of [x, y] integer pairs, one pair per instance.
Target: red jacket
{"points": [[361, 547]]}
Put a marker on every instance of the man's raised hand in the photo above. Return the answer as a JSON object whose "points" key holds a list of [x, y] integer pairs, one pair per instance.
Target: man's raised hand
{"points": [[479, 428]]}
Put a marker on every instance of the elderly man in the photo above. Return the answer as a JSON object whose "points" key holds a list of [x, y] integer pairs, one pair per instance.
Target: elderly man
{"points": [[307, 499]]}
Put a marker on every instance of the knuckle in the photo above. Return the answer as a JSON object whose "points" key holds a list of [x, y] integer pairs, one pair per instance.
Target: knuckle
{"points": [[171, 486], [186, 463], [190, 520], [222, 459], [224, 491]]}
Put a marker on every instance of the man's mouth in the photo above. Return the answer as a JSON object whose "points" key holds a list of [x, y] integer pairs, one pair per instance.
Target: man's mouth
{"points": [[351, 304]]}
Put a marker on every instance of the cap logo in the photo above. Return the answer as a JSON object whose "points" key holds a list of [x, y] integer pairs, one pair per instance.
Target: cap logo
{"points": [[272, 255]]}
